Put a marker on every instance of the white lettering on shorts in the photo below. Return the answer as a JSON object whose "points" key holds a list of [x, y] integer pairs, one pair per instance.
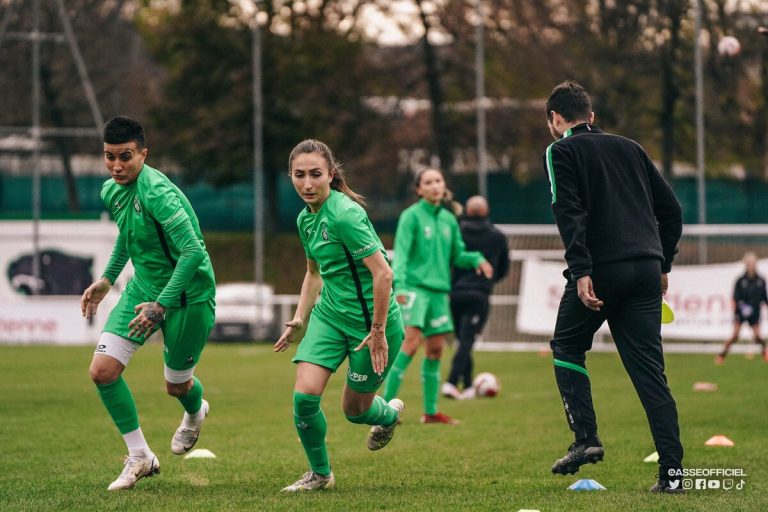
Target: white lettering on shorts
{"points": [[356, 377], [437, 322]]}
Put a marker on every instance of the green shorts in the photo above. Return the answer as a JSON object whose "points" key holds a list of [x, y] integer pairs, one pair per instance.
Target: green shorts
{"points": [[428, 310], [185, 329], [327, 345]]}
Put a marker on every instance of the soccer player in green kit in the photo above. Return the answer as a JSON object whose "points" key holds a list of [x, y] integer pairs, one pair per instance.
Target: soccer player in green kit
{"points": [[427, 243], [356, 316], [173, 289]]}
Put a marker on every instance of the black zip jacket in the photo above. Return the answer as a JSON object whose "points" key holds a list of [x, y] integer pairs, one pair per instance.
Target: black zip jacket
{"points": [[609, 200], [480, 235]]}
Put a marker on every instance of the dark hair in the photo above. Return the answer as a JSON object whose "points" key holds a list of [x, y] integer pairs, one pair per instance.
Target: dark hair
{"points": [[447, 201], [570, 100], [121, 129], [337, 182]]}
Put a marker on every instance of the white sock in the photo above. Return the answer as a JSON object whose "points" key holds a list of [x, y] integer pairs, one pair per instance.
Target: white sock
{"points": [[136, 443], [193, 420]]}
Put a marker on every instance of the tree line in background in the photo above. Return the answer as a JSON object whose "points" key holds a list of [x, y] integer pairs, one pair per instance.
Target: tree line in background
{"points": [[184, 68]]}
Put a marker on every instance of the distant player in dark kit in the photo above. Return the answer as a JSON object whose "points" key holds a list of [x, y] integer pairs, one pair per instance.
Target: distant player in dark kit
{"points": [[470, 292], [620, 223], [748, 297]]}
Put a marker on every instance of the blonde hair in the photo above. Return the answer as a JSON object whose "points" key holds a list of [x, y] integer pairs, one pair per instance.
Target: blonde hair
{"points": [[338, 182], [447, 201]]}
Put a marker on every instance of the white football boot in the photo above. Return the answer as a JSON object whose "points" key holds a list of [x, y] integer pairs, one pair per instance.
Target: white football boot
{"points": [[136, 468], [311, 481], [186, 437]]}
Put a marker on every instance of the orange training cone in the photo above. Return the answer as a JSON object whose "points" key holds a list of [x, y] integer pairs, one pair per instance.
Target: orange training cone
{"points": [[719, 441], [705, 386]]}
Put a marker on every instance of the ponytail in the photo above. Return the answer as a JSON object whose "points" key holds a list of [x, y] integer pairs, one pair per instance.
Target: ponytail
{"points": [[338, 182], [450, 204]]}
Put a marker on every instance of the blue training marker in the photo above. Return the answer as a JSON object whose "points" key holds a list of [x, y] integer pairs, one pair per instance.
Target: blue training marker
{"points": [[586, 484]]}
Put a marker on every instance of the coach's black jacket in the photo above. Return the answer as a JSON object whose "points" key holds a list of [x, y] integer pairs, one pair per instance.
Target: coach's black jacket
{"points": [[609, 200], [480, 235]]}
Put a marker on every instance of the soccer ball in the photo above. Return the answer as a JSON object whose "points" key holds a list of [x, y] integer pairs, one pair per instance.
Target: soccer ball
{"points": [[486, 384], [729, 46]]}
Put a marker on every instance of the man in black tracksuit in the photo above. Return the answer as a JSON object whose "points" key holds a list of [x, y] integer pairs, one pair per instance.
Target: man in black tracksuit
{"points": [[470, 291], [620, 223], [749, 295]]}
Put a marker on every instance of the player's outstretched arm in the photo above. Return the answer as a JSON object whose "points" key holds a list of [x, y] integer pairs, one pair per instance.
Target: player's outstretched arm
{"points": [[310, 288]]}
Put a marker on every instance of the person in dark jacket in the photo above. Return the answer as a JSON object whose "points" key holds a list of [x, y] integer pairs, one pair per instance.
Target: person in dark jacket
{"points": [[620, 224], [470, 292], [748, 296]]}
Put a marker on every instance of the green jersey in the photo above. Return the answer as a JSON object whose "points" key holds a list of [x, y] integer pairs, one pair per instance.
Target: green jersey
{"points": [[337, 238], [427, 243], [160, 234]]}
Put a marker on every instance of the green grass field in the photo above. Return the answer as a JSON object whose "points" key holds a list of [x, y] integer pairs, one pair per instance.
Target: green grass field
{"points": [[60, 450]]}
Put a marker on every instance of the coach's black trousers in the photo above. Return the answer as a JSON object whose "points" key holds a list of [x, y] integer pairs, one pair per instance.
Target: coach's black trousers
{"points": [[631, 291], [469, 311]]}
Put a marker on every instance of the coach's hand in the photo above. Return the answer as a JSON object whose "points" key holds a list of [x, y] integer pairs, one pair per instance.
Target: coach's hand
{"points": [[148, 315], [587, 293], [664, 284], [291, 333], [377, 345], [92, 297]]}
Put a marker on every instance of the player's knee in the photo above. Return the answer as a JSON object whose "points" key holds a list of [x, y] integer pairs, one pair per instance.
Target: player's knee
{"points": [[354, 410], [178, 390], [102, 375], [434, 352], [410, 346]]}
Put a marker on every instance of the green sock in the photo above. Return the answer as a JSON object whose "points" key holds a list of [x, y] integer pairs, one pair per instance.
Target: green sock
{"points": [[311, 426], [119, 402], [193, 400], [396, 374], [430, 380], [380, 413]]}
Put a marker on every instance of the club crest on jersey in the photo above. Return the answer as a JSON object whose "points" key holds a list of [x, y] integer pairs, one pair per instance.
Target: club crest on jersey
{"points": [[136, 205], [427, 231], [324, 233]]}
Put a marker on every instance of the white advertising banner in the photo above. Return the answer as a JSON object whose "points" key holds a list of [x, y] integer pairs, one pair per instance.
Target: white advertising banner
{"points": [[72, 255], [700, 296]]}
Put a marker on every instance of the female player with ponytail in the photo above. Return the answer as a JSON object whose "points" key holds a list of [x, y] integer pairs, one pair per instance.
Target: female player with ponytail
{"points": [[427, 244], [356, 316]]}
